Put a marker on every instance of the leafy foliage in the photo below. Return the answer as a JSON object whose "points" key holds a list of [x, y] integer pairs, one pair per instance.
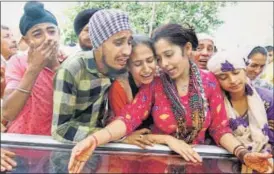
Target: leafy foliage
{"points": [[203, 16]]}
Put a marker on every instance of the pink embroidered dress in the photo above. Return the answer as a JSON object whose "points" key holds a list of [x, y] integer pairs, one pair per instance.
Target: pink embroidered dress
{"points": [[153, 97]]}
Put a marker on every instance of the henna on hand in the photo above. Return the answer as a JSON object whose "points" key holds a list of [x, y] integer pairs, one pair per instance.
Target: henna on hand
{"points": [[256, 162]]}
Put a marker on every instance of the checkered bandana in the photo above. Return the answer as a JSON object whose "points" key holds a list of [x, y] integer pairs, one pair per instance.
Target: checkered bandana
{"points": [[105, 23]]}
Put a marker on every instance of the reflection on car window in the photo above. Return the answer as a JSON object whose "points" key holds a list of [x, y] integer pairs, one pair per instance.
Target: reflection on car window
{"points": [[56, 161]]}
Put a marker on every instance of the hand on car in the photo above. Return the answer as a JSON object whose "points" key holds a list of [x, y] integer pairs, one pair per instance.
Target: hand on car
{"points": [[185, 150], [259, 162], [138, 138], [80, 154], [7, 161]]}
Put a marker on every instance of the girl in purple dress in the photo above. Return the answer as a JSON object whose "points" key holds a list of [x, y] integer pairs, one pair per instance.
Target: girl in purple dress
{"points": [[250, 110]]}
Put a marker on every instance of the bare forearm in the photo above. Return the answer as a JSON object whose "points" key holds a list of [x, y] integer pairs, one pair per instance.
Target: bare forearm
{"points": [[15, 100], [160, 139], [229, 142], [117, 130]]}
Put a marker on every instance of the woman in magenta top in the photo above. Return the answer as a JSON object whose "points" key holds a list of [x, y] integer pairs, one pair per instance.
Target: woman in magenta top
{"points": [[185, 102], [163, 110]]}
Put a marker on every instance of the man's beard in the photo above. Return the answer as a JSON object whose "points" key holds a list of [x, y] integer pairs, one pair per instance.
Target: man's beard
{"points": [[112, 72]]}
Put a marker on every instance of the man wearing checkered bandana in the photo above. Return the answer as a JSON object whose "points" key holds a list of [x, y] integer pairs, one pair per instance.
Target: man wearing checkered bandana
{"points": [[82, 82]]}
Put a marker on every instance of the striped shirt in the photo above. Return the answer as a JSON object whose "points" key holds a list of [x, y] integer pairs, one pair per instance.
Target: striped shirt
{"points": [[80, 98]]}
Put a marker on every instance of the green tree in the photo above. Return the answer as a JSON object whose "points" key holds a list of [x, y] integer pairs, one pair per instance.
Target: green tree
{"points": [[146, 16]]}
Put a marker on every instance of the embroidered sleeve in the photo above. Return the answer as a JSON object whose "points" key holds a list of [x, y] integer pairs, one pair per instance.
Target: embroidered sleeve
{"points": [[219, 122], [133, 114]]}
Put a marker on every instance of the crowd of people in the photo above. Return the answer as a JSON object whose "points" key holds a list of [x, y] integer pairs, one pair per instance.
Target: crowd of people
{"points": [[173, 88]]}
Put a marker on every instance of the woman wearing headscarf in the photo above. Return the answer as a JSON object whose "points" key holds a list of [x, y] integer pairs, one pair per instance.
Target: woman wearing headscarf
{"points": [[256, 63], [249, 109]]}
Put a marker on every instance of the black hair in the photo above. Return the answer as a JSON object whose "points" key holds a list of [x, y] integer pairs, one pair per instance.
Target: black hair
{"points": [[257, 49], [176, 34], [142, 39], [269, 48]]}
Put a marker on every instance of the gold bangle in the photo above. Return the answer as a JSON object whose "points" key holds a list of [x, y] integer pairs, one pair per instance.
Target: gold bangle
{"points": [[23, 90]]}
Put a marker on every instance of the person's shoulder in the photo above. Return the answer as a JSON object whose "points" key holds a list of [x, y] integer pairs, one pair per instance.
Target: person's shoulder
{"points": [[18, 60], [208, 78], [72, 61], [265, 94], [157, 81], [260, 81], [84, 54], [75, 63], [19, 57], [206, 74], [116, 85]]}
